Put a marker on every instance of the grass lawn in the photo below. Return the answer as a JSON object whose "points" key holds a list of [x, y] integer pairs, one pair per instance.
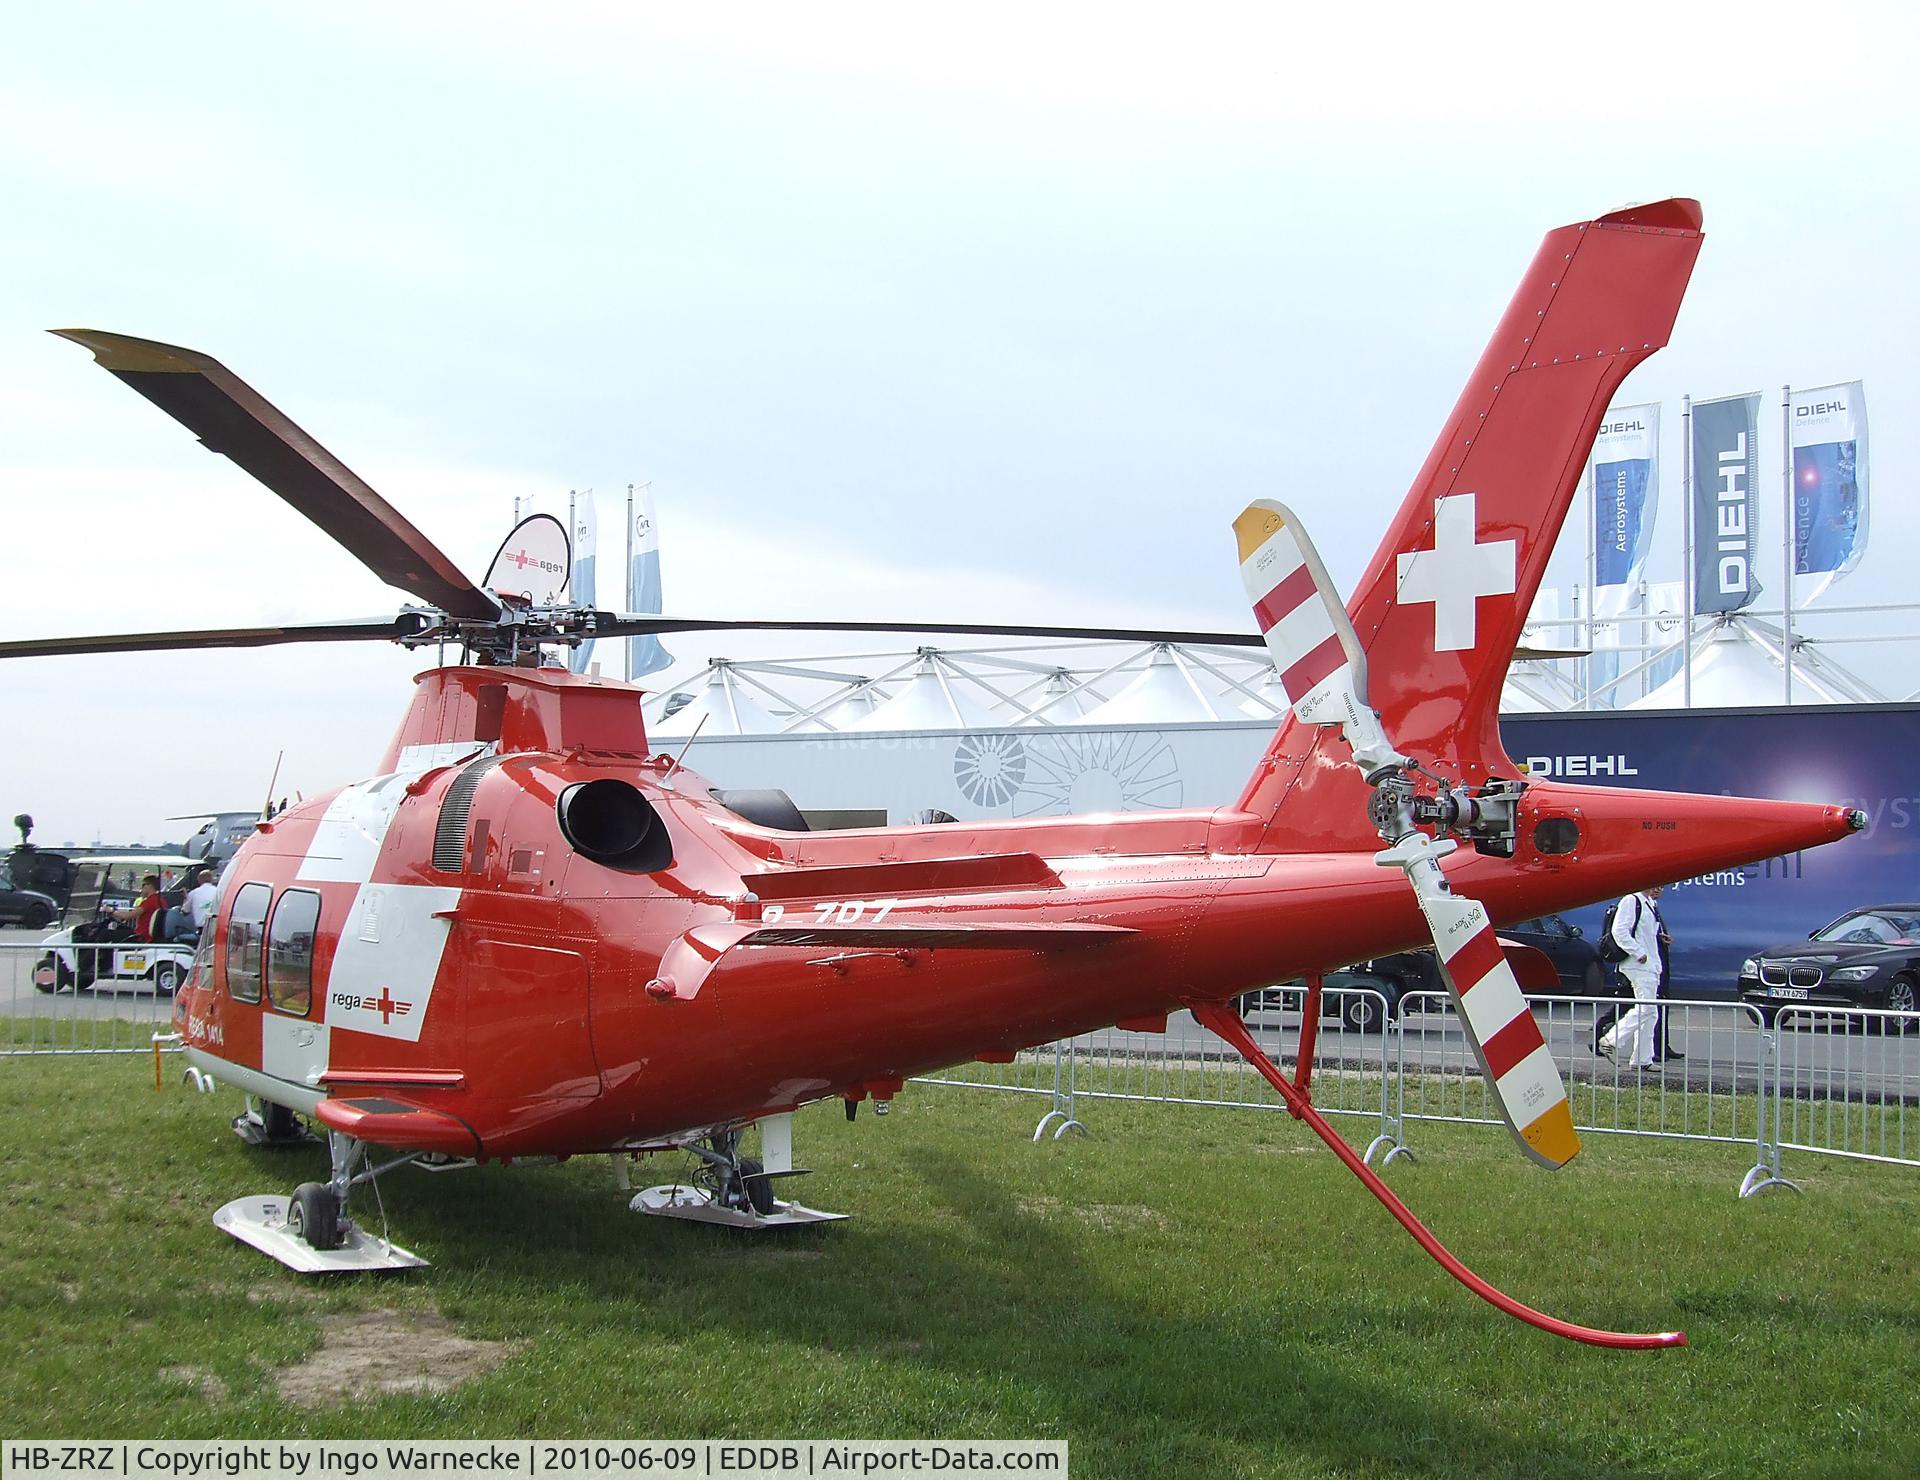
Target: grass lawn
{"points": [[1186, 1293]]}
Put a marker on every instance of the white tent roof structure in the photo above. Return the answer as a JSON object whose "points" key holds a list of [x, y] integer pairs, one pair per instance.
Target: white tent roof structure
{"points": [[1063, 701], [1165, 694], [724, 708], [1269, 689], [935, 698], [1735, 667], [844, 713]]}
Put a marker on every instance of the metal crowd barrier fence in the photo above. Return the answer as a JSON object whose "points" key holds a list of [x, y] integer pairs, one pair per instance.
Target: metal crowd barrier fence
{"points": [[1788, 1077], [1846, 1083], [85, 999], [1840, 1082], [1613, 1056], [1349, 1068]]}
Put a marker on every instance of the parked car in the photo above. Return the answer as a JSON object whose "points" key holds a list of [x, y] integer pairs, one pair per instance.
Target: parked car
{"points": [[28, 907], [1867, 958], [1576, 960]]}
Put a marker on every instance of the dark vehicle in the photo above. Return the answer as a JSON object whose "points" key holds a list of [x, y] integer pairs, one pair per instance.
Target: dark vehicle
{"points": [[1576, 960], [28, 907], [40, 872], [1866, 958]]}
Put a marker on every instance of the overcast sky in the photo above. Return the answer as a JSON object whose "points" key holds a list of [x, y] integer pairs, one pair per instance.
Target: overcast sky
{"points": [[998, 316]]}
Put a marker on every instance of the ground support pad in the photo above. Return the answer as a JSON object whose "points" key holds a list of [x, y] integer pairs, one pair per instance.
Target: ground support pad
{"points": [[696, 1205], [262, 1223]]}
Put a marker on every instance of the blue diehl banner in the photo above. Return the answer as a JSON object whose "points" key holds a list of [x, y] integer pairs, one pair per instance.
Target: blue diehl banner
{"points": [[1726, 472], [1853, 755], [1829, 485], [1625, 493]]}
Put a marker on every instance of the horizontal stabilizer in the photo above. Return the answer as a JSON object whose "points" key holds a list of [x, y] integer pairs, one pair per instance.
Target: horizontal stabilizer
{"points": [[923, 876], [1039, 935], [691, 959]]}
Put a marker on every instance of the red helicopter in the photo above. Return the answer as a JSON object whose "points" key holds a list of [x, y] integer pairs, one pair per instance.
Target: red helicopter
{"points": [[530, 935]]}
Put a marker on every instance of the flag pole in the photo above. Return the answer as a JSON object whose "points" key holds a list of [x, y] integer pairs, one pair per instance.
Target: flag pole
{"points": [[1593, 575], [1686, 570], [627, 646], [1790, 534]]}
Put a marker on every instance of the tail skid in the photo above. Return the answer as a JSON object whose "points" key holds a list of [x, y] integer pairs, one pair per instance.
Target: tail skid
{"points": [[1225, 1022]]}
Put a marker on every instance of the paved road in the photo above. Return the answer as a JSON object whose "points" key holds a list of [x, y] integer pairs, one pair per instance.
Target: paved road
{"points": [[114, 1014]]}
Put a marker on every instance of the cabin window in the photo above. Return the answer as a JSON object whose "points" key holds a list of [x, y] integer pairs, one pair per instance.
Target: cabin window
{"points": [[244, 931], [290, 951]]}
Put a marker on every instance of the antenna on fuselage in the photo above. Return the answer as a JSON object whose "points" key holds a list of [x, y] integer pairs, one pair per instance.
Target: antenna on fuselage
{"points": [[668, 777]]}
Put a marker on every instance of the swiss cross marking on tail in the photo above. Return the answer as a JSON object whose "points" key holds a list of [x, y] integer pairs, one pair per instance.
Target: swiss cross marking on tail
{"points": [[1456, 572]]}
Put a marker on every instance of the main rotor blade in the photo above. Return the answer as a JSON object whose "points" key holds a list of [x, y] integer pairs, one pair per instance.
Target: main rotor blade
{"points": [[628, 624], [383, 629], [230, 417]]}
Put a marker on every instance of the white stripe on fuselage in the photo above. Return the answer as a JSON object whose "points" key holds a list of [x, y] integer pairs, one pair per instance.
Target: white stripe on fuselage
{"points": [[347, 843], [387, 958], [392, 939]]}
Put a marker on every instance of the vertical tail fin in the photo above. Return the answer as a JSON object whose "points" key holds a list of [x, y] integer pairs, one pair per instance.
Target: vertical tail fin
{"points": [[1440, 607]]}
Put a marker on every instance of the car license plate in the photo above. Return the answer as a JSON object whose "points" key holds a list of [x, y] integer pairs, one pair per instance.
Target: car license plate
{"points": [[1798, 994]]}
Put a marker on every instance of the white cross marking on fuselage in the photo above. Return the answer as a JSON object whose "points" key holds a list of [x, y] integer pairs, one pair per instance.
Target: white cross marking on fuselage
{"points": [[1456, 572]]}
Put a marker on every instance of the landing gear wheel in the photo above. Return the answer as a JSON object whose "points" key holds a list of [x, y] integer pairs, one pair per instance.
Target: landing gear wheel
{"points": [[754, 1187], [314, 1215], [166, 979], [280, 1123]]}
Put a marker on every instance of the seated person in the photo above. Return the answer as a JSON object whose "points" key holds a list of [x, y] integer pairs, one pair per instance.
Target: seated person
{"points": [[196, 907], [146, 912]]}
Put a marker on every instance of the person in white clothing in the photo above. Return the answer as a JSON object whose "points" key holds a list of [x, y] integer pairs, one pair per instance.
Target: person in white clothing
{"points": [[1636, 930], [200, 902]]}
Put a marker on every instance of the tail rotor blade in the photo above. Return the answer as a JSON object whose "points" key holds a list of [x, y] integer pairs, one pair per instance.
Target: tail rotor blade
{"points": [[1317, 653], [1498, 1023]]}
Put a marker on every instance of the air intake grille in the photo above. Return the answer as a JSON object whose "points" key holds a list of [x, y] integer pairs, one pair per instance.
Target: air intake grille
{"points": [[450, 834]]}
